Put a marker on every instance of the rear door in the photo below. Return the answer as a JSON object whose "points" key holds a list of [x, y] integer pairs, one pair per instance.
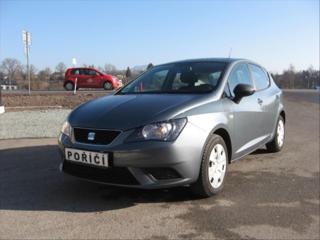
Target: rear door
{"points": [[265, 98], [247, 113], [82, 78]]}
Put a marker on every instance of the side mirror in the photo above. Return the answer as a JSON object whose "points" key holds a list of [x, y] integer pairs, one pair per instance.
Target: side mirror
{"points": [[242, 90]]}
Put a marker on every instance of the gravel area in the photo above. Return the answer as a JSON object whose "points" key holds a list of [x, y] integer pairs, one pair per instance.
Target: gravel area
{"points": [[32, 124], [56, 99]]}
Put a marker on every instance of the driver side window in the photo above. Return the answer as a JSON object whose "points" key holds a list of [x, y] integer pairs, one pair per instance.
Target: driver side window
{"points": [[240, 75]]}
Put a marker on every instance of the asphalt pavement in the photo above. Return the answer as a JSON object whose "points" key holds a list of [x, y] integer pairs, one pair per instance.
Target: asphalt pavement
{"points": [[266, 196]]}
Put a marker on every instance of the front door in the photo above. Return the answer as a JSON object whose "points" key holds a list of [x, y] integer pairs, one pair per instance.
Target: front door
{"points": [[93, 79], [246, 114], [266, 98]]}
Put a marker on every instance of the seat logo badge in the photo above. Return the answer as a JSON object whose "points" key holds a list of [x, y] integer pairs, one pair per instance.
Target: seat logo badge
{"points": [[91, 136]]}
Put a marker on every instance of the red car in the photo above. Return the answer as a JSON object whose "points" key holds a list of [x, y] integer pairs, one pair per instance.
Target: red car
{"points": [[89, 78]]}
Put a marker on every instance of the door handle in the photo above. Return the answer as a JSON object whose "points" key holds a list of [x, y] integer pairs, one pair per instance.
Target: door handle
{"points": [[260, 101]]}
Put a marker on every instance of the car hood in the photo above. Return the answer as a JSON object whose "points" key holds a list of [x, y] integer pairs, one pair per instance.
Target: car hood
{"points": [[129, 111]]}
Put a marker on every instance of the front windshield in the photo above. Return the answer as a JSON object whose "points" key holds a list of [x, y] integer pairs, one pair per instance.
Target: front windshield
{"points": [[186, 77]]}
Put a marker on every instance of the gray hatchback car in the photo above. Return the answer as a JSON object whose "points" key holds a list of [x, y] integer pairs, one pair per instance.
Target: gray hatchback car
{"points": [[178, 124]]}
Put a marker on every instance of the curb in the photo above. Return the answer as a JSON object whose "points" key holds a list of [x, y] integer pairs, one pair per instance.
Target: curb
{"points": [[2, 109]]}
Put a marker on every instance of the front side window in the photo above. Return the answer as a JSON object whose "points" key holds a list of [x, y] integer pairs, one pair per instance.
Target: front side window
{"points": [[188, 77], [239, 75], [260, 77], [91, 72]]}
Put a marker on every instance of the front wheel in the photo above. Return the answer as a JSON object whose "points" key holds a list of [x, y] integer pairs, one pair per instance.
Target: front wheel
{"points": [[107, 86], [213, 169], [277, 142]]}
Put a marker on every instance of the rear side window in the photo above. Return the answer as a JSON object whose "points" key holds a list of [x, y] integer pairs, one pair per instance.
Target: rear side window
{"points": [[75, 72], [260, 77], [239, 75]]}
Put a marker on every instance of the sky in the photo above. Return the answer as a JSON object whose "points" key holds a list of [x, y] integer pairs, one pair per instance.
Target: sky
{"points": [[274, 33]]}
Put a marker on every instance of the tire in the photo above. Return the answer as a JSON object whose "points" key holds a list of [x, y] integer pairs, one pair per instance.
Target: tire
{"points": [[277, 142], [107, 86], [210, 180], [69, 86]]}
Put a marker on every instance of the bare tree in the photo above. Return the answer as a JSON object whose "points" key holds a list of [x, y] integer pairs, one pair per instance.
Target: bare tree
{"points": [[61, 69], [33, 72], [150, 65], [10, 67], [44, 75], [292, 78], [109, 68]]}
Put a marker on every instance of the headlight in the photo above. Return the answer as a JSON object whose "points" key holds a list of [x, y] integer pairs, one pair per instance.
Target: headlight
{"points": [[161, 131], [66, 128]]}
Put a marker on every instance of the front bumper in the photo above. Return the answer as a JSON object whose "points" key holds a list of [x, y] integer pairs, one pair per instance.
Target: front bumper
{"points": [[149, 165]]}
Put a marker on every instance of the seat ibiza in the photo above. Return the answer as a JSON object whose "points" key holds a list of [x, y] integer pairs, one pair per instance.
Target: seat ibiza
{"points": [[177, 124]]}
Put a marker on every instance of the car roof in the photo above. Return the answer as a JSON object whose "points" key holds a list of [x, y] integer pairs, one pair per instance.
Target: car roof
{"points": [[222, 60], [84, 68]]}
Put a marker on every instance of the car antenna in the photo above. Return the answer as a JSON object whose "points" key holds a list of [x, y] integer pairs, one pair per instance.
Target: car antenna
{"points": [[230, 51]]}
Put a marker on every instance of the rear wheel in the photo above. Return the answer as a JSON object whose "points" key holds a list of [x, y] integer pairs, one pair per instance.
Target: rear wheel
{"points": [[69, 86], [277, 142], [107, 86], [213, 169]]}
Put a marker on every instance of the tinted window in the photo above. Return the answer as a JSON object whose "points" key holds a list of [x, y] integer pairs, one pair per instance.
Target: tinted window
{"points": [[239, 75], [260, 77], [188, 77], [208, 76], [82, 71], [153, 83], [91, 72]]}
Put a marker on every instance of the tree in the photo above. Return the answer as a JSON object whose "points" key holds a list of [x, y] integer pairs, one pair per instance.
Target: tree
{"points": [[44, 75], [150, 65], [61, 69], [10, 67], [2, 75], [109, 68], [128, 72]]}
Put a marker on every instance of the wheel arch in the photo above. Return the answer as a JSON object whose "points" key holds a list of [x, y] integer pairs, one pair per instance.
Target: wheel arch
{"points": [[68, 81], [222, 132]]}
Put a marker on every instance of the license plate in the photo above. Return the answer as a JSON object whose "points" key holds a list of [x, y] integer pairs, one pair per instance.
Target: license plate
{"points": [[87, 157]]}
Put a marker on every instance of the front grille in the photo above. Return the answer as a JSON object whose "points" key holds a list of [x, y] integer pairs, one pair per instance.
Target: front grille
{"points": [[100, 136], [115, 175]]}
